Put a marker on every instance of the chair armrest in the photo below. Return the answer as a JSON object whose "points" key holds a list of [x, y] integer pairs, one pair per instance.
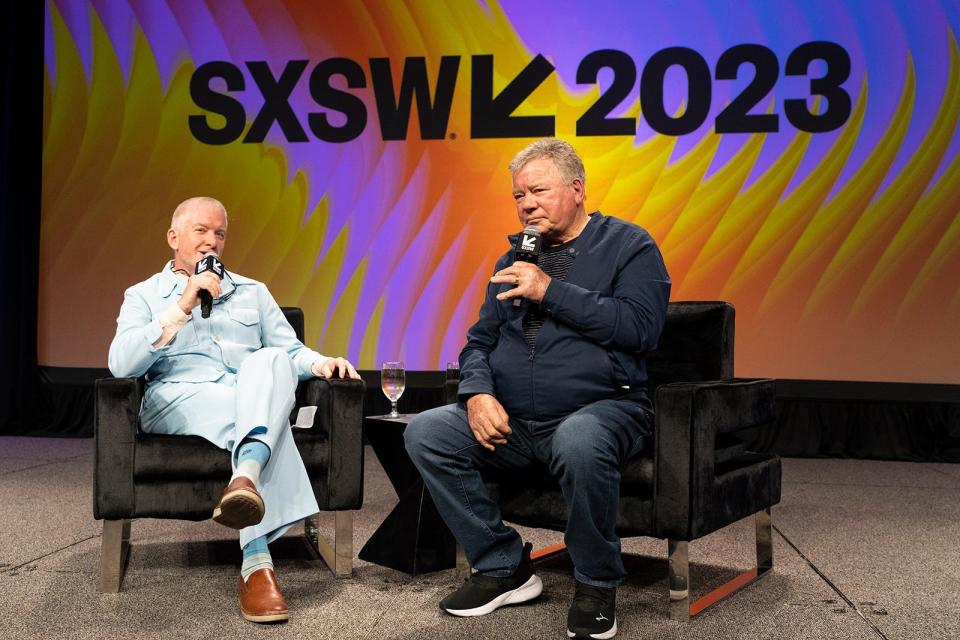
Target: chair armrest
{"points": [[116, 414], [338, 423], [688, 419]]}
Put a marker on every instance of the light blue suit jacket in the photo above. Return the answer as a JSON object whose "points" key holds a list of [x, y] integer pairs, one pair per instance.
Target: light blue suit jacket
{"points": [[244, 318]]}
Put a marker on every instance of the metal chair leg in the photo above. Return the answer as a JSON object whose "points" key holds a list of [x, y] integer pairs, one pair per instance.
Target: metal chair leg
{"points": [[680, 606], [678, 560], [114, 550], [764, 525], [339, 555]]}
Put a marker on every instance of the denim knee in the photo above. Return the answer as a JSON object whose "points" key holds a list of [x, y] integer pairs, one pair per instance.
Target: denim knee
{"points": [[416, 435], [431, 433], [575, 447]]}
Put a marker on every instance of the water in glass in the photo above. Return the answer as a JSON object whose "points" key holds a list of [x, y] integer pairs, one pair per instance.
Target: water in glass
{"points": [[393, 382]]}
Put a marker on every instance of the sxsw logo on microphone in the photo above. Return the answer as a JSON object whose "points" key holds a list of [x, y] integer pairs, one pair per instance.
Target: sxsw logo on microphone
{"points": [[210, 263], [528, 243]]}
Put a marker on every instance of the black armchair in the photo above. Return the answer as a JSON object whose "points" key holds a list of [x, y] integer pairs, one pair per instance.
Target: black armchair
{"points": [[697, 477], [139, 475]]}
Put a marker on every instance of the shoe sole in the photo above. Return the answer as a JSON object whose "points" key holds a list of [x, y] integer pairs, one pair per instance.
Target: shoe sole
{"points": [[606, 635], [279, 616], [239, 509], [527, 591]]}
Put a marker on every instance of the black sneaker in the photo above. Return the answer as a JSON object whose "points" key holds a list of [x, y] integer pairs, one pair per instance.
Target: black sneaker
{"points": [[593, 613], [482, 594]]}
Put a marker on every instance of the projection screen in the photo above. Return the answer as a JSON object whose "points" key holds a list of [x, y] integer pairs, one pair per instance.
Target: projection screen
{"points": [[797, 159]]}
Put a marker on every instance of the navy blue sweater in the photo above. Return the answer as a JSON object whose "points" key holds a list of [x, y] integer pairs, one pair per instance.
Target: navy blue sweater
{"points": [[601, 320]]}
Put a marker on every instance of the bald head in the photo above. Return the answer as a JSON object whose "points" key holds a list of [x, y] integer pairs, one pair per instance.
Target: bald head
{"points": [[196, 203]]}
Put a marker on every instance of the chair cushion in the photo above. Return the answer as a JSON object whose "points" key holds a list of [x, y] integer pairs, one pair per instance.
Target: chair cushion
{"points": [[181, 499], [162, 457], [636, 476]]}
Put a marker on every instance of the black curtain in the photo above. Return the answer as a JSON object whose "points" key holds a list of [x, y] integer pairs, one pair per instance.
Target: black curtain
{"points": [[21, 134]]}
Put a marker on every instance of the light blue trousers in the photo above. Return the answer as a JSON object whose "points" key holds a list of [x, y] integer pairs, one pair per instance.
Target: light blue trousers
{"points": [[256, 400]]}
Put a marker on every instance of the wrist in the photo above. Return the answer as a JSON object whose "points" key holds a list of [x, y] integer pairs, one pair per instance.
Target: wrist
{"points": [[317, 367], [476, 398], [542, 289]]}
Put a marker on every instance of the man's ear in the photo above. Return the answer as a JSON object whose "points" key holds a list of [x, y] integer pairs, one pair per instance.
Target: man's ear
{"points": [[172, 239], [579, 192]]}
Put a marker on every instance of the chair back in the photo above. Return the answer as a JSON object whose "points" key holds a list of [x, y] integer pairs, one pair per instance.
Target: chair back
{"points": [[294, 316], [696, 344]]}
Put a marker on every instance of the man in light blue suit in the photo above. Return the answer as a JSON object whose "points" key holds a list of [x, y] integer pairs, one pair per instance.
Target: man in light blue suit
{"points": [[230, 379]]}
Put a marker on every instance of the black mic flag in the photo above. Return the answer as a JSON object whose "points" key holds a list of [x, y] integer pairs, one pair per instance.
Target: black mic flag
{"points": [[209, 262], [528, 249]]}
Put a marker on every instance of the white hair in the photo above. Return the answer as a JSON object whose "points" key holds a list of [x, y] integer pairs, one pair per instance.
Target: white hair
{"points": [[190, 204], [561, 152]]}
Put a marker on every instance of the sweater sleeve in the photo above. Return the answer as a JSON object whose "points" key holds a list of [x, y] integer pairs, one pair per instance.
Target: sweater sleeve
{"points": [[475, 373], [631, 318]]}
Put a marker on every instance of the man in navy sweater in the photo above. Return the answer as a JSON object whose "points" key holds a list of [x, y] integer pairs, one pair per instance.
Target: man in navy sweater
{"points": [[559, 380]]}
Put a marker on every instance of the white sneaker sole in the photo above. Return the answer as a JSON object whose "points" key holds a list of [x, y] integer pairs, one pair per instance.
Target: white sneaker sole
{"points": [[527, 591], [606, 635]]}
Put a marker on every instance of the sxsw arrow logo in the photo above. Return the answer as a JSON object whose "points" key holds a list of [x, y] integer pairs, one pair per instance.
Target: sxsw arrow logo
{"points": [[528, 243], [210, 263], [490, 116]]}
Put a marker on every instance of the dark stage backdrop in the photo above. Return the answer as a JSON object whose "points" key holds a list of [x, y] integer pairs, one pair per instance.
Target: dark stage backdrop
{"points": [[21, 122]]}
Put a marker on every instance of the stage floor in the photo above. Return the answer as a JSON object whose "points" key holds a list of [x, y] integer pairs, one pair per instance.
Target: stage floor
{"points": [[862, 549]]}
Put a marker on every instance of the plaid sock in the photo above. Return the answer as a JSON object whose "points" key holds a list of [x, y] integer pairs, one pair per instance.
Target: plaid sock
{"points": [[256, 556]]}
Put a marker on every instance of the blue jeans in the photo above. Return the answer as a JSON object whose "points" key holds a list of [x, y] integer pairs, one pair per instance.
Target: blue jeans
{"points": [[583, 451]]}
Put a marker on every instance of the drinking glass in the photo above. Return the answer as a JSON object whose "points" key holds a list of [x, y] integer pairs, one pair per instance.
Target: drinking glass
{"points": [[393, 382], [453, 371]]}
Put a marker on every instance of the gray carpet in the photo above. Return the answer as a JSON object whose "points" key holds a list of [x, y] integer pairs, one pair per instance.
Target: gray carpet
{"points": [[863, 549]]}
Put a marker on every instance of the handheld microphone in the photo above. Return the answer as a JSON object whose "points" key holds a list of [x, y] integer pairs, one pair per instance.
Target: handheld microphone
{"points": [[528, 249], [209, 262]]}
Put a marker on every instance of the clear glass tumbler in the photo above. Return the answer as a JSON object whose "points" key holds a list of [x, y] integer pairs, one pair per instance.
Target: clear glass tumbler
{"points": [[393, 381]]}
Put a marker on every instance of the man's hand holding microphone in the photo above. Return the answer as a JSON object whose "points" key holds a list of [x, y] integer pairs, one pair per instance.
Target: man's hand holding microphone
{"points": [[203, 286], [529, 280]]}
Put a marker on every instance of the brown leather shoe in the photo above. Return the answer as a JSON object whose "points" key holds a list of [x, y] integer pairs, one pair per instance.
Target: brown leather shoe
{"points": [[240, 506], [260, 598]]}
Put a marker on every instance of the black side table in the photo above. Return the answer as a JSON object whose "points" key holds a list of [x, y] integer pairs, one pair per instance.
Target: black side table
{"points": [[413, 537]]}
